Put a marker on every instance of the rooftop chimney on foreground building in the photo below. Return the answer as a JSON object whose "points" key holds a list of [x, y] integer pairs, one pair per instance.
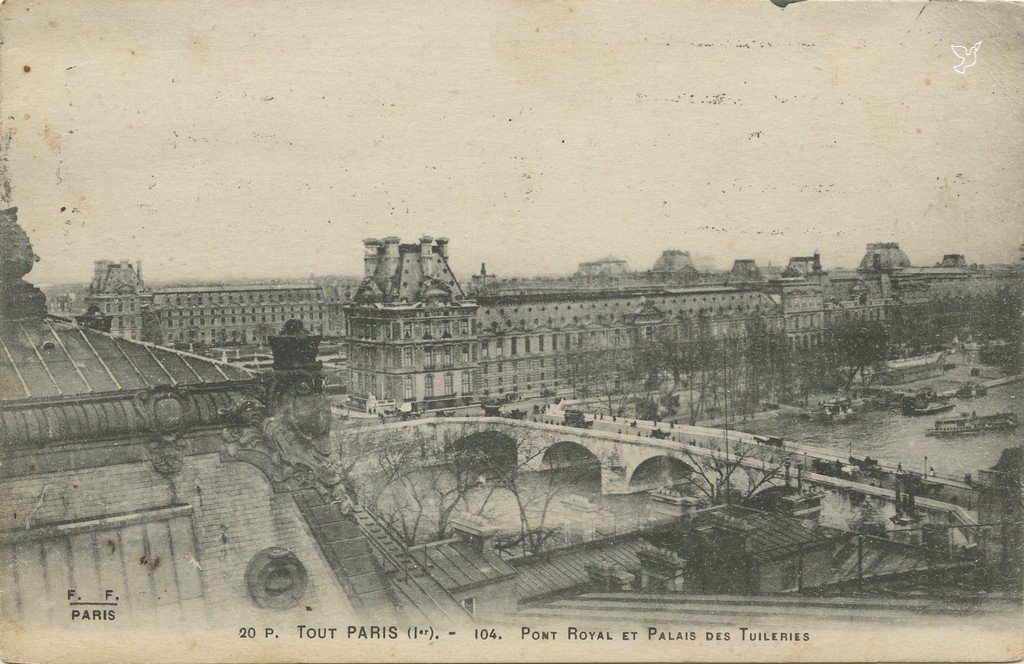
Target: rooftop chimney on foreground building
{"points": [[295, 348], [297, 386], [474, 529]]}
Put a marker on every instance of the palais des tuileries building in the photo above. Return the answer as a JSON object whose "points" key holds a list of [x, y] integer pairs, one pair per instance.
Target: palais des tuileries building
{"points": [[417, 338]]}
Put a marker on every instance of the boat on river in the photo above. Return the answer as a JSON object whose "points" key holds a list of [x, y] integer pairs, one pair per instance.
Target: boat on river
{"points": [[925, 402], [911, 368], [973, 424], [971, 390], [929, 408]]}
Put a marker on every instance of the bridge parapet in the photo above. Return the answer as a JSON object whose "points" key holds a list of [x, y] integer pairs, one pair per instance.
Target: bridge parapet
{"points": [[621, 453]]}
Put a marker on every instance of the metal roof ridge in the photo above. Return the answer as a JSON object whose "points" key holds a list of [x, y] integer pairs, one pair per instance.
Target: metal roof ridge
{"points": [[183, 353], [14, 365]]}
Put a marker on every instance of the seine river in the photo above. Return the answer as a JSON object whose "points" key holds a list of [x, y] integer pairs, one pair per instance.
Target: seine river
{"points": [[895, 438]]}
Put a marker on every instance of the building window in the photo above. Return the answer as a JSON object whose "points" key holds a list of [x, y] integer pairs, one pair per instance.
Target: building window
{"points": [[407, 388], [515, 345], [465, 352], [526, 345], [407, 330], [428, 386], [464, 327], [467, 383], [449, 383], [407, 357]]}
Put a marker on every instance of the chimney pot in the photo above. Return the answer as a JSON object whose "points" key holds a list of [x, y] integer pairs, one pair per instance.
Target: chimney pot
{"points": [[295, 347], [475, 530], [372, 256]]}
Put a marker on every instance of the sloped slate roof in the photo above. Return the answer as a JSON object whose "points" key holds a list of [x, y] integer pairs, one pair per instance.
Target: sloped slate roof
{"points": [[878, 558], [766, 536], [565, 569], [348, 554], [42, 358], [457, 564]]}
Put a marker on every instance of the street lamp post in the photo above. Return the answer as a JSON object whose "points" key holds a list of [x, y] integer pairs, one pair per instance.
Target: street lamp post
{"points": [[725, 369]]}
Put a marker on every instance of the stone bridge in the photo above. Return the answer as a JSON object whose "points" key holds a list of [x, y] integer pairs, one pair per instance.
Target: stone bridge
{"points": [[630, 463]]}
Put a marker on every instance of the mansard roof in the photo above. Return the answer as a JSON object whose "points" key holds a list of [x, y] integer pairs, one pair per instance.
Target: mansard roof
{"points": [[405, 273], [884, 256]]}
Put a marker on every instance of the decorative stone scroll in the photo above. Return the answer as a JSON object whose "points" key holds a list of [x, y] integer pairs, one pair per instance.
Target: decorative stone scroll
{"points": [[284, 428], [167, 453]]}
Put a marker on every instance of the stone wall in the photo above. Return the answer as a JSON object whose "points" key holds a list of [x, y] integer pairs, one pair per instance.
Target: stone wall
{"points": [[174, 548]]}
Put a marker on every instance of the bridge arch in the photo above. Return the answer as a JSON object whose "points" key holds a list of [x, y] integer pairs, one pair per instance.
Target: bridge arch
{"points": [[577, 463], [659, 470], [568, 452], [486, 453], [767, 497]]}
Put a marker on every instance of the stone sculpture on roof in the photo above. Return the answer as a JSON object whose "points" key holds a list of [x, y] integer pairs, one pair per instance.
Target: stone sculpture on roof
{"points": [[18, 298]]}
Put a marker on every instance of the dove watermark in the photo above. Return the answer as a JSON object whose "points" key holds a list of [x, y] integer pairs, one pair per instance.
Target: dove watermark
{"points": [[968, 56]]}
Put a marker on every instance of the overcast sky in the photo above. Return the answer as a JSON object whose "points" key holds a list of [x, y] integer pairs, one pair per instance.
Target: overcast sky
{"points": [[226, 139]]}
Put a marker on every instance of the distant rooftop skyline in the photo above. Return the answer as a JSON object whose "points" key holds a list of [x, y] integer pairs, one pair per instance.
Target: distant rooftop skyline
{"points": [[257, 280]]}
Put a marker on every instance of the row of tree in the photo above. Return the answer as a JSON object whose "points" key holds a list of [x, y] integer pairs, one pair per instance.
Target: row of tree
{"points": [[686, 369]]}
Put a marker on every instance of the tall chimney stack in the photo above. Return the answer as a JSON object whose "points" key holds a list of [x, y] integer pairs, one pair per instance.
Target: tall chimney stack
{"points": [[391, 256], [99, 269], [372, 256], [426, 249]]}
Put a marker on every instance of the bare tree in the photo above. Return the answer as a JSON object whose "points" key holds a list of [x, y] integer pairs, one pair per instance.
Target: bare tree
{"points": [[606, 375], [534, 500], [419, 481], [713, 473], [414, 484]]}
